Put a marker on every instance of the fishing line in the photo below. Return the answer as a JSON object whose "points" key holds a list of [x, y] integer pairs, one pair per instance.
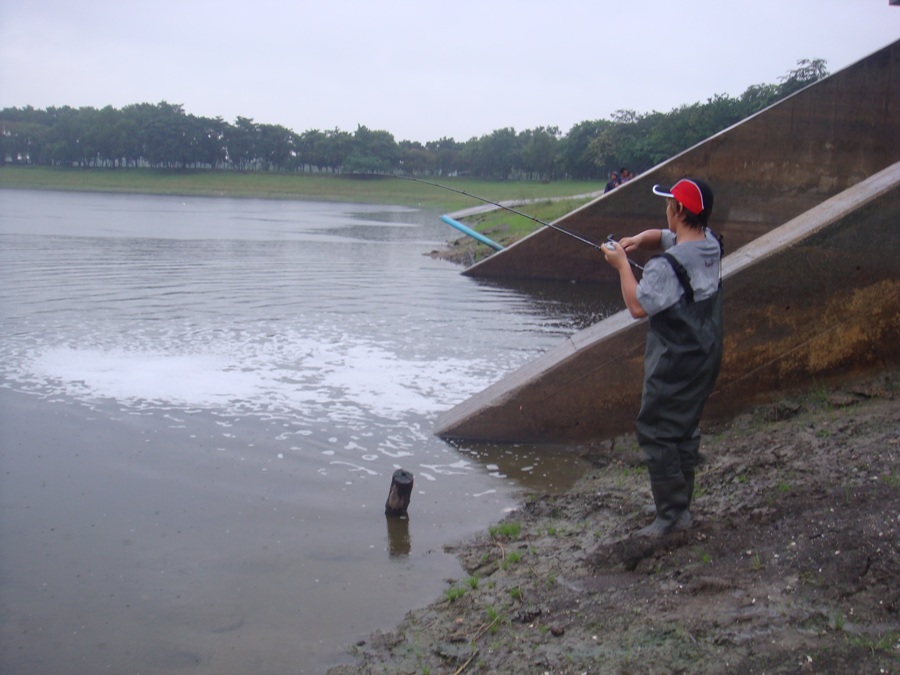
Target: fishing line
{"points": [[590, 243]]}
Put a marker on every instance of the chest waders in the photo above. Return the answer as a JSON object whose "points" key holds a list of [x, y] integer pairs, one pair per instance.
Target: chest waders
{"points": [[681, 364]]}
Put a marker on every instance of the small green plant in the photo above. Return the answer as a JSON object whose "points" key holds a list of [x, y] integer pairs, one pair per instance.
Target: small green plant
{"points": [[743, 478], [493, 618], [839, 621], [511, 559], [473, 582], [705, 558], [892, 479], [808, 577], [508, 530], [819, 394], [454, 593], [756, 562], [783, 487], [515, 593], [626, 472], [885, 643]]}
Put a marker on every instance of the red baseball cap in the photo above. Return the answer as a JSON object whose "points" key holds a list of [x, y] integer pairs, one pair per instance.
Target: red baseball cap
{"points": [[695, 195]]}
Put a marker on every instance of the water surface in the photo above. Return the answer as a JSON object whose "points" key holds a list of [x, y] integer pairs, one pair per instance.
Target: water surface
{"points": [[201, 404]]}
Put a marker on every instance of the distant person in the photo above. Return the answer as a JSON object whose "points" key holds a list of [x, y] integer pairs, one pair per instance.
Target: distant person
{"points": [[625, 176], [680, 291], [613, 182]]}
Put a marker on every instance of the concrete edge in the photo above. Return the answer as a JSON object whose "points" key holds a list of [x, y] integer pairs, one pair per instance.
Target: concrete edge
{"points": [[787, 235]]}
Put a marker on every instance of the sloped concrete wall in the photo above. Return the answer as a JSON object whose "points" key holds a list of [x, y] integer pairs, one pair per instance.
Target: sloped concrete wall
{"points": [[814, 299], [764, 171]]}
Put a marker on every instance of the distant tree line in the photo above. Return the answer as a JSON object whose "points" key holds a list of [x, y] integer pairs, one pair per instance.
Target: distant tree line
{"points": [[164, 136]]}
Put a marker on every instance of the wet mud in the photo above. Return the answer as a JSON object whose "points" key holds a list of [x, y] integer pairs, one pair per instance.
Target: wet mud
{"points": [[791, 565]]}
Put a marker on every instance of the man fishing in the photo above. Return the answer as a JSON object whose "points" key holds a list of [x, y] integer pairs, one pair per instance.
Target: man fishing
{"points": [[680, 291]]}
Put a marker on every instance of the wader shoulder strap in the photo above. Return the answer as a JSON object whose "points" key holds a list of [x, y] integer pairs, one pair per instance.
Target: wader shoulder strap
{"points": [[721, 240], [683, 277]]}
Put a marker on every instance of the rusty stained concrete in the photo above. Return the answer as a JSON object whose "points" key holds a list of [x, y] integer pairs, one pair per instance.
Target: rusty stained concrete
{"points": [[815, 300], [764, 171]]}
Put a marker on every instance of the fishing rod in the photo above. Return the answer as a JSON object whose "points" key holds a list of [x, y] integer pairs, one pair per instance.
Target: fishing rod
{"points": [[502, 206], [590, 243]]}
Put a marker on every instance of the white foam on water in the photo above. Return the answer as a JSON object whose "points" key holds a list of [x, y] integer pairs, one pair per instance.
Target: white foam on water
{"points": [[203, 380], [348, 380]]}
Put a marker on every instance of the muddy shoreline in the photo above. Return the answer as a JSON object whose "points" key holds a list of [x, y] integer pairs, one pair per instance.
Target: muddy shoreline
{"points": [[791, 566]]}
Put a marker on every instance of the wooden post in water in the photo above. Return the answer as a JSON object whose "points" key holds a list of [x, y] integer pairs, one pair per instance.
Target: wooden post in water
{"points": [[401, 492]]}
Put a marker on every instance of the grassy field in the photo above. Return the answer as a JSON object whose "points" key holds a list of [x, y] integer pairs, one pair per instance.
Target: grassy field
{"points": [[513, 226], [380, 190]]}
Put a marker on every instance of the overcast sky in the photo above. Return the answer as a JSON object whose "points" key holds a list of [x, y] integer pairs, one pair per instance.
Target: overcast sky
{"points": [[420, 69]]}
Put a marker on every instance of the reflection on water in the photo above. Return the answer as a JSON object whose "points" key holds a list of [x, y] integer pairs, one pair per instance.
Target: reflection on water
{"points": [[400, 543], [545, 469], [570, 305], [218, 392]]}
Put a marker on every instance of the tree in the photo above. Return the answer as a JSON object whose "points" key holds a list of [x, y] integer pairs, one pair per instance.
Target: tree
{"points": [[162, 132], [372, 152], [337, 145], [495, 155], [415, 158], [163, 135], [24, 134], [807, 72], [447, 153], [208, 141], [241, 142], [641, 141], [64, 140], [575, 156], [613, 146], [311, 150], [538, 152], [277, 146]]}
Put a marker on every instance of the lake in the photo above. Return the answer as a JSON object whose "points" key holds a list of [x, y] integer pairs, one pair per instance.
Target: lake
{"points": [[202, 402]]}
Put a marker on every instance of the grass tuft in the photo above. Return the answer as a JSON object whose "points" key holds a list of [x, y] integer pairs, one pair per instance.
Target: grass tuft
{"points": [[509, 530]]}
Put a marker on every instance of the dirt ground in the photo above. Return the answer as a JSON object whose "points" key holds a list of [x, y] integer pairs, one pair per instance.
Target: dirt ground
{"points": [[792, 565]]}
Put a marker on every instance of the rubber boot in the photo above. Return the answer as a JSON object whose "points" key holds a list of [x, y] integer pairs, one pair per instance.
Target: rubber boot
{"points": [[672, 498], [684, 520]]}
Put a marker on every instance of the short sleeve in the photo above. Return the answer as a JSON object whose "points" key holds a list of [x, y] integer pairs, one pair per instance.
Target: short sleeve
{"points": [[666, 239], [659, 288]]}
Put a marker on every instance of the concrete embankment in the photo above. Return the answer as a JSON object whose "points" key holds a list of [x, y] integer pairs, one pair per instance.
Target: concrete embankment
{"points": [[807, 197], [815, 299]]}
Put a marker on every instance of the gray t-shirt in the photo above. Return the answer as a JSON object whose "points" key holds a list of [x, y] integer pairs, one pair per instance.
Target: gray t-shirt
{"points": [[659, 288]]}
